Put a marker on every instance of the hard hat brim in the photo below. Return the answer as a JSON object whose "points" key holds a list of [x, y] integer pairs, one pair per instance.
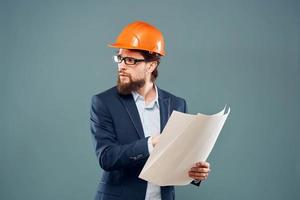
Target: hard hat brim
{"points": [[122, 46]]}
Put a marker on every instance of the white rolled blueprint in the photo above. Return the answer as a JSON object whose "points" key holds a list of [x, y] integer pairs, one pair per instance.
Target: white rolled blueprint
{"points": [[185, 140]]}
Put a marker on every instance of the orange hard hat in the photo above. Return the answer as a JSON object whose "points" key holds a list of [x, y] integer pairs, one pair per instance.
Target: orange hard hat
{"points": [[140, 35]]}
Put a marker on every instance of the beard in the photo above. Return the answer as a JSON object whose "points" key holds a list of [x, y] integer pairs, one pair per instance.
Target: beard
{"points": [[130, 86]]}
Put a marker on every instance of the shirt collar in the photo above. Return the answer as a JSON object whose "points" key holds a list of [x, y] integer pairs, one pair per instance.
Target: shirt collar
{"points": [[137, 96]]}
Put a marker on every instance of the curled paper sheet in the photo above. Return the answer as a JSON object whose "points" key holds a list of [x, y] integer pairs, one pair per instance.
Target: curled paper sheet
{"points": [[185, 140]]}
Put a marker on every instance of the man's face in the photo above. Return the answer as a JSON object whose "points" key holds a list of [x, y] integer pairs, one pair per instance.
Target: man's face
{"points": [[131, 77]]}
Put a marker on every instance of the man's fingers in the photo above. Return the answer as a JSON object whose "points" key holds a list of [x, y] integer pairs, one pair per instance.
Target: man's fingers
{"points": [[155, 139], [203, 164], [198, 176], [198, 169]]}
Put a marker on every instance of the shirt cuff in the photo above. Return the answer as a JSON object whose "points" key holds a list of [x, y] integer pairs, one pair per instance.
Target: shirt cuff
{"points": [[150, 146]]}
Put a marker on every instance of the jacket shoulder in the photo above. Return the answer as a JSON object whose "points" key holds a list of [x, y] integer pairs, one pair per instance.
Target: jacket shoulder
{"points": [[165, 94], [105, 98]]}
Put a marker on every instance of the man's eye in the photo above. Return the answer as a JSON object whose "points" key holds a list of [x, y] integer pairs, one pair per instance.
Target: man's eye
{"points": [[130, 60]]}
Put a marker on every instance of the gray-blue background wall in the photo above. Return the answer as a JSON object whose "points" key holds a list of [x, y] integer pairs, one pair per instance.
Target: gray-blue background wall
{"points": [[242, 53]]}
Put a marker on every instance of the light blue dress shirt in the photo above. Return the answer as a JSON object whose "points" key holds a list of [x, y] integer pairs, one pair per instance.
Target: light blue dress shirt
{"points": [[150, 118]]}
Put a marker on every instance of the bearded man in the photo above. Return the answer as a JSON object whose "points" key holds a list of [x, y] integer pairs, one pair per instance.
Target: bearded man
{"points": [[126, 120]]}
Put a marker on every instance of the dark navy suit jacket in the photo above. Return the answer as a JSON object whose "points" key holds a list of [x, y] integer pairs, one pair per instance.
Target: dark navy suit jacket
{"points": [[121, 146]]}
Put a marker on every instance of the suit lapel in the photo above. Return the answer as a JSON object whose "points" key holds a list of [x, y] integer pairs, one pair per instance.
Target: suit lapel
{"points": [[164, 108], [130, 106]]}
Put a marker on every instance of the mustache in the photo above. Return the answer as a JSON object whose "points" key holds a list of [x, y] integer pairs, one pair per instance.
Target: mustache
{"points": [[123, 74]]}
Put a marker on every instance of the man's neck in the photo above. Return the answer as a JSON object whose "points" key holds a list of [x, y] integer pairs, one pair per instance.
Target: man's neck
{"points": [[148, 92]]}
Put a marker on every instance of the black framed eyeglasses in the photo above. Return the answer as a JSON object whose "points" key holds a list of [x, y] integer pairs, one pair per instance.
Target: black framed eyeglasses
{"points": [[127, 60]]}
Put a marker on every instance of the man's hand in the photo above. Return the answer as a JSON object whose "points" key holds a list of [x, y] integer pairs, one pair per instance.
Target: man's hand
{"points": [[155, 140], [200, 171]]}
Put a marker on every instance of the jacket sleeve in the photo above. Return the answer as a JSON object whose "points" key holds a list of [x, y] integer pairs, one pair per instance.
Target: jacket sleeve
{"points": [[110, 153]]}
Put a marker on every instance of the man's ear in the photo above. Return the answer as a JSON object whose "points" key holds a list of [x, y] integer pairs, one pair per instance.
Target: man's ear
{"points": [[152, 66]]}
